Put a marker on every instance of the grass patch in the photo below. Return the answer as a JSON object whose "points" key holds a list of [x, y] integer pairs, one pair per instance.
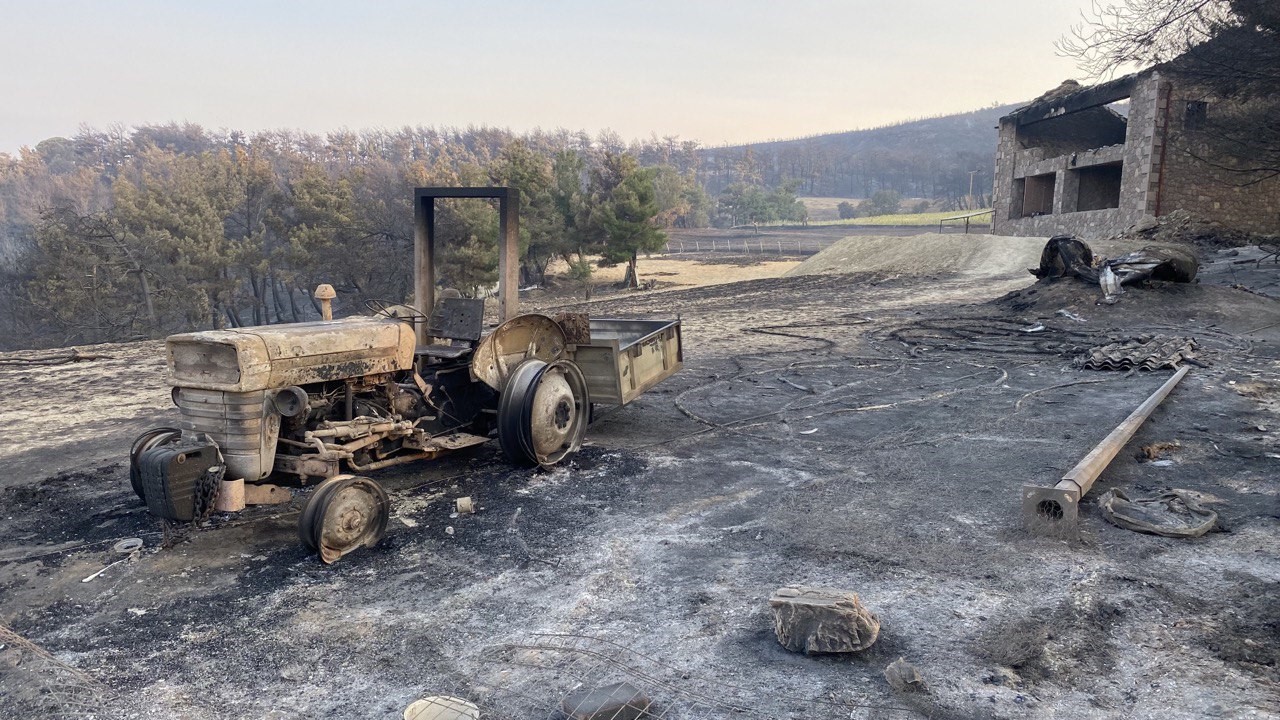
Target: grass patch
{"points": [[1017, 644]]}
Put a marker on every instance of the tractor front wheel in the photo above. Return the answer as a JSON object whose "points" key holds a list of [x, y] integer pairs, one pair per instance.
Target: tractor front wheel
{"points": [[344, 513]]}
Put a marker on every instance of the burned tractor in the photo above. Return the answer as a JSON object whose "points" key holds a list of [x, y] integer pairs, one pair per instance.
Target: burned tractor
{"points": [[314, 403]]}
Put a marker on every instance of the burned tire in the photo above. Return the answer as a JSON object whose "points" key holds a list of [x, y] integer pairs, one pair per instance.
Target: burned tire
{"points": [[152, 438], [344, 513], [543, 412]]}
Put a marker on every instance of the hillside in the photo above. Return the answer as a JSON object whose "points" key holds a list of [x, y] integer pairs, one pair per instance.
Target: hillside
{"points": [[921, 158]]}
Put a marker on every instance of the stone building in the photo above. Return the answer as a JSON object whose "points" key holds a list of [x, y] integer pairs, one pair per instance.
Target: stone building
{"points": [[1074, 161]]}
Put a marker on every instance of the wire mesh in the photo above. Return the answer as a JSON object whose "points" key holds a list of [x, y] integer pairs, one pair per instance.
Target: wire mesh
{"points": [[554, 676], [35, 684]]}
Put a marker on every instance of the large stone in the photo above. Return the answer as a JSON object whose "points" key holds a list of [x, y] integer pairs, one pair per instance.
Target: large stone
{"points": [[619, 701], [822, 620]]}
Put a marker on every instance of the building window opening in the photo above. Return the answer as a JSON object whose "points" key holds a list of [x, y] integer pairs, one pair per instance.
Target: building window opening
{"points": [[1197, 112], [1088, 129], [1016, 196], [1037, 197], [1099, 186]]}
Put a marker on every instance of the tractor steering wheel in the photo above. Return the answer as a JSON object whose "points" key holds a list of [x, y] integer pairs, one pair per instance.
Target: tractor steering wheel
{"points": [[396, 311]]}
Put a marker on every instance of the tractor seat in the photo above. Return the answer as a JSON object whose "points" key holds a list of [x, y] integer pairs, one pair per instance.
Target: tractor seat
{"points": [[458, 320]]}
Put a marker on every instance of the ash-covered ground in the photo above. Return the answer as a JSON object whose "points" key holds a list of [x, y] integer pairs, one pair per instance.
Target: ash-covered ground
{"points": [[864, 432]]}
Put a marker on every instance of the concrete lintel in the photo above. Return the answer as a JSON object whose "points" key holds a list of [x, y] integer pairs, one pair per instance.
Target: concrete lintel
{"points": [[1090, 97], [1072, 161]]}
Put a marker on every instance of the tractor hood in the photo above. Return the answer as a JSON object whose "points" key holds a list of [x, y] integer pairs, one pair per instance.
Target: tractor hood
{"points": [[277, 356]]}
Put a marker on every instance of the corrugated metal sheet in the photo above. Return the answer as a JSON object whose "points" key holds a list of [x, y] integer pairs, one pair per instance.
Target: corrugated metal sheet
{"points": [[1145, 352]]}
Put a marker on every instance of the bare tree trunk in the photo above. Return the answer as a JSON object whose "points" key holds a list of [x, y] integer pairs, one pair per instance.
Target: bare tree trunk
{"points": [[293, 305], [214, 317], [146, 299], [630, 281], [275, 297], [315, 304], [258, 305]]}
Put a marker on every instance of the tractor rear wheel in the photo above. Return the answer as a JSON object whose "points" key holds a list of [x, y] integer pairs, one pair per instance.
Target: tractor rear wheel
{"points": [[543, 412]]}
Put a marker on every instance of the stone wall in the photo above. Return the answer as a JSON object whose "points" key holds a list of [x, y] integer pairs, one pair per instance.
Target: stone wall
{"points": [[1014, 163], [1087, 225], [1209, 192], [1002, 190]]}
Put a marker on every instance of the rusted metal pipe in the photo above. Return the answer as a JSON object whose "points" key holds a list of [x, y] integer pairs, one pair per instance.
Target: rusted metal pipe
{"points": [[349, 428], [1060, 504], [425, 455]]}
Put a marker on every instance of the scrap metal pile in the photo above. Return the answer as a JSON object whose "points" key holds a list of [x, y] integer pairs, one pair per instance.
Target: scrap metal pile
{"points": [[1068, 256]]}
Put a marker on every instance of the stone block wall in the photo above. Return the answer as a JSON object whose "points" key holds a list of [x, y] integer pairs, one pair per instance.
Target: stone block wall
{"points": [[1002, 192], [1206, 191], [1013, 163], [1087, 225]]}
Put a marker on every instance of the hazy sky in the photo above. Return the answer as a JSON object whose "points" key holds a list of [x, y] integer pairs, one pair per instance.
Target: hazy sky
{"points": [[715, 72]]}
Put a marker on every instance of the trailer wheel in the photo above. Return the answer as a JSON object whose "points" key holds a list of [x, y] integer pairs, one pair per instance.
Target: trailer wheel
{"points": [[543, 412], [152, 438], [344, 513]]}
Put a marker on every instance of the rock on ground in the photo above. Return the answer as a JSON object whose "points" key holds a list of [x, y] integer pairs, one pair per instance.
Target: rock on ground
{"points": [[822, 620]]}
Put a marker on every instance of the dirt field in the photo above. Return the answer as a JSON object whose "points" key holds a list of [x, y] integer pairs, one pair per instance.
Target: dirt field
{"points": [[666, 272], [868, 431]]}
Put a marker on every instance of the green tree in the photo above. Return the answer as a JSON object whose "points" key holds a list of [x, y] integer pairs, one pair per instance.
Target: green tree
{"points": [[883, 202], [320, 226], [627, 217], [541, 224], [174, 209], [575, 207], [784, 204], [95, 281], [741, 203], [682, 202]]}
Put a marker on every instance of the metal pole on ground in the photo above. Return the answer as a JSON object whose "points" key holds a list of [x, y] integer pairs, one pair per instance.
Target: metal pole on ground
{"points": [[1060, 505]]}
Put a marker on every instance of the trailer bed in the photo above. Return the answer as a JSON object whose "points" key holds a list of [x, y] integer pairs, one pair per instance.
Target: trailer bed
{"points": [[627, 357]]}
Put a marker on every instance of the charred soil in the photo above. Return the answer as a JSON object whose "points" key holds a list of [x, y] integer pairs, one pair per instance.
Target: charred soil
{"points": [[862, 431]]}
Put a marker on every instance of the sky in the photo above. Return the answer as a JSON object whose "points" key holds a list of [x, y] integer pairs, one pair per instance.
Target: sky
{"points": [[714, 72]]}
